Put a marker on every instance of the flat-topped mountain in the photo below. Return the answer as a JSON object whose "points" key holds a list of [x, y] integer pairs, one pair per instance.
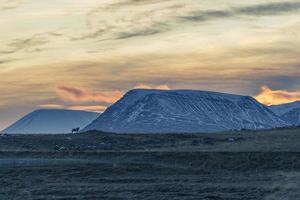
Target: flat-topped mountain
{"points": [[51, 122], [174, 111]]}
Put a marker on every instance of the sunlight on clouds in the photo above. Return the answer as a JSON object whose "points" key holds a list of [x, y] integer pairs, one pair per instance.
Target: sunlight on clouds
{"points": [[99, 109], [74, 94], [51, 106], [158, 87], [268, 96], [78, 95]]}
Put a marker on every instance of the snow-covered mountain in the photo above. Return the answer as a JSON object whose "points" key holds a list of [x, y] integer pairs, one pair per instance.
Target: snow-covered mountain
{"points": [[292, 117], [289, 112], [163, 111], [284, 108], [51, 122]]}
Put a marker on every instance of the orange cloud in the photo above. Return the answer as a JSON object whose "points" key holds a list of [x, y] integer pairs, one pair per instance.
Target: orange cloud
{"points": [[79, 95], [89, 108], [268, 96], [52, 106], [159, 87], [74, 94]]}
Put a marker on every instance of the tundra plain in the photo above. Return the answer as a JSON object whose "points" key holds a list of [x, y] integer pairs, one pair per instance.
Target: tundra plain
{"points": [[231, 165]]}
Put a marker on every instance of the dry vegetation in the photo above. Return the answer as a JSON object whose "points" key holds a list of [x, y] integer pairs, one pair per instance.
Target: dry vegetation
{"points": [[238, 165]]}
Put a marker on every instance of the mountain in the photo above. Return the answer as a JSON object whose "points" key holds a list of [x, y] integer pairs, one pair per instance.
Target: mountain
{"points": [[289, 112], [292, 117], [284, 108], [51, 122], [174, 111]]}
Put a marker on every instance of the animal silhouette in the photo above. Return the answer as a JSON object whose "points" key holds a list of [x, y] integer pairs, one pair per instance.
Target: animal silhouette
{"points": [[75, 130]]}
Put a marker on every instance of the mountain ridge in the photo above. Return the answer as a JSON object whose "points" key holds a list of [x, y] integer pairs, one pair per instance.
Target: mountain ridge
{"points": [[284, 108], [289, 112]]}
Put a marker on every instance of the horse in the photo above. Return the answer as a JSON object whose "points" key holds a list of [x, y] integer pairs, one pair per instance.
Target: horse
{"points": [[75, 130]]}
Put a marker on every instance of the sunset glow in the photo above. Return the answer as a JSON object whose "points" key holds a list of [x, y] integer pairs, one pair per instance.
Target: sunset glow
{"points": [[79, 54], [269, 97]]}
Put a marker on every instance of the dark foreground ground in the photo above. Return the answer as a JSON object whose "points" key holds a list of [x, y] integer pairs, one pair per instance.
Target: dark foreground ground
{"points": [[247, 165]]}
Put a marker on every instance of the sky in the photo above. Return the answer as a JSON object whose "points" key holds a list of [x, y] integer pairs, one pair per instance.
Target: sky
{"points": [[85, 54]]}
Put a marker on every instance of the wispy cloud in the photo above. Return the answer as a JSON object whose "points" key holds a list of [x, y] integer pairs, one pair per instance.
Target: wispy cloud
{"points": [[10, 4], [147, 18], [102, 31], [125, 3], [269, 8], [203, 16], [28, 43], [121, 4], [268, 96], [89, 108], [31, 43], [154, 17], [277, 8], [51, 106], [153, 29], [114, 33], [6, 61], [78, 95], [145, 86]]}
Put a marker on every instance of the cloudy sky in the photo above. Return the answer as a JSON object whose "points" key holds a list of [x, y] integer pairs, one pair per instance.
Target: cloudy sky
{"points": [[84, 54]]}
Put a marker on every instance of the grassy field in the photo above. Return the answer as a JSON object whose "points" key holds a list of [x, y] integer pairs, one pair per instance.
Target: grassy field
{"points": [[280, 140], [236, 165]]}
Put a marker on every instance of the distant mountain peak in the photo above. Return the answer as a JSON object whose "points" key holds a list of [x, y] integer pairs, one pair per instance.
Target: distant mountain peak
{"points": [[51, 121]]}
